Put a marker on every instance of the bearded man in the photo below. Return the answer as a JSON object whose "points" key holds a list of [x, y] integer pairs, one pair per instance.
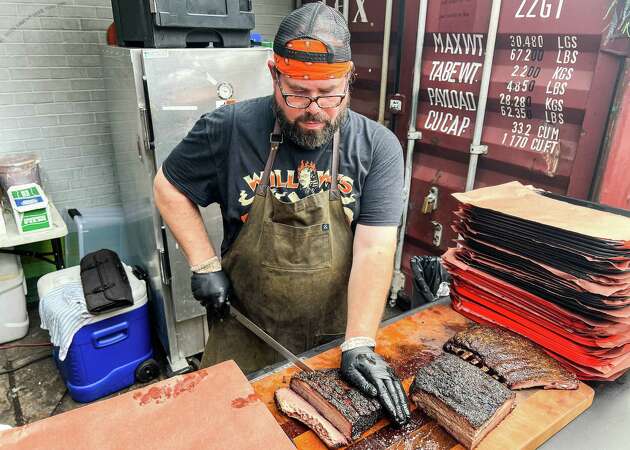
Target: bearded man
{"points": [[291, 260]]}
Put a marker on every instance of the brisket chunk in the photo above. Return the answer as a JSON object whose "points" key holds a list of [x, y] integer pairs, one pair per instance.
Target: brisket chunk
{"points": [[295, 406], [511, 358], [345, 407], [467, 402]]}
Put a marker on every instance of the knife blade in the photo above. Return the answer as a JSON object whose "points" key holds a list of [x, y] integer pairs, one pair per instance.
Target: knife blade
{"points": [[277, 346]]}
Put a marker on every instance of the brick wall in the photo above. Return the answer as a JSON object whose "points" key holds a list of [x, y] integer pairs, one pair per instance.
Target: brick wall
{"points": [[52, 98]]}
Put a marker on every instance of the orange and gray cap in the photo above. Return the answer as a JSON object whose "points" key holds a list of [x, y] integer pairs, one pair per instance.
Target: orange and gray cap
{"points": [[313, 42]]}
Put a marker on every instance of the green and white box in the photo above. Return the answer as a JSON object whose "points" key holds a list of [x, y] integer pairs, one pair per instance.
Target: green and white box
{"points": [[30, 208]]}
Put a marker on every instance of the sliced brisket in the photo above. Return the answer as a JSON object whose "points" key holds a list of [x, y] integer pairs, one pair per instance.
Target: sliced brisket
{"points": [[345, 407], [515, 360], [295, 406], [460, 397]]}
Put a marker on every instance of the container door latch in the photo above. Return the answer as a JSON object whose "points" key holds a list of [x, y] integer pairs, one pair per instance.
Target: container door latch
{"points": [[430, 203]]}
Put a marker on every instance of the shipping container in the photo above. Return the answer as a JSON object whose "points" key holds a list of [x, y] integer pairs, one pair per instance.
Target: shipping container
{"points": [[613, 184], [375, 28], [542, 114]]}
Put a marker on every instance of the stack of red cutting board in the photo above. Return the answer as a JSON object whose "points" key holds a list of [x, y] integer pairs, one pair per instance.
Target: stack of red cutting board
{"points": [[553, 269]]}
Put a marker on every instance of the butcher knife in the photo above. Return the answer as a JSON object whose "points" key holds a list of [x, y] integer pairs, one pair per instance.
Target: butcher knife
{"points": [[277, 346]]}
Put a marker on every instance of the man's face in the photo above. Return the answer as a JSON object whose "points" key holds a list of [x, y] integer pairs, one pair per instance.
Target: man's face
{"points": [[313, 126]]}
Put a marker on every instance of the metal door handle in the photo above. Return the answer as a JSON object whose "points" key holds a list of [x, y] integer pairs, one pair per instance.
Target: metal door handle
{"points": [[144, 120], [165, 264]]}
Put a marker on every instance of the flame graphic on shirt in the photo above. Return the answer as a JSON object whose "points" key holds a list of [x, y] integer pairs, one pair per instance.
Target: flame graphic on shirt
{"points": [[293, 185]]}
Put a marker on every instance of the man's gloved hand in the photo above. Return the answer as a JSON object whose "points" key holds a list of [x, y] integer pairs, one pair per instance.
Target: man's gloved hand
{"points": [[368, 372], [212, 289]]}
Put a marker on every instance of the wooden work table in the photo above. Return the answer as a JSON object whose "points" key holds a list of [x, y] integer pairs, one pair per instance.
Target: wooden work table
{"points": [[188, 411], [408, 344]]}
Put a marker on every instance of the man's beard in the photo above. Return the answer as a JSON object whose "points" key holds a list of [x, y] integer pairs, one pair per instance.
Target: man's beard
{"points": [[309, 139]]}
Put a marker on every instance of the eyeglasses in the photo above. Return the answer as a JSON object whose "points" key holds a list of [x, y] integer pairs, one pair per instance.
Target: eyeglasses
{"points": [[304, 101]]}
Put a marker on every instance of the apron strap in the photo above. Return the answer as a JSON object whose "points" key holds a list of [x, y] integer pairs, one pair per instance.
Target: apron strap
{"points": [[334, 190], [275, 139]]}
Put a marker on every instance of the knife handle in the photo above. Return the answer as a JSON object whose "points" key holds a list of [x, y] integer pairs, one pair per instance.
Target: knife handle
{"points": [[218, 314], [224, 312]]}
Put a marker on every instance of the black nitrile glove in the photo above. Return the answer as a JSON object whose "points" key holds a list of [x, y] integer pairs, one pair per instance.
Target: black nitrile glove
{"points": [[368, 372], [212, 289]]}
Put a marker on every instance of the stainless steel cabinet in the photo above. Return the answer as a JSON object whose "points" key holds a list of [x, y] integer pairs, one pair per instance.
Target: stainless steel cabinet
{"points": [[155, 96]]}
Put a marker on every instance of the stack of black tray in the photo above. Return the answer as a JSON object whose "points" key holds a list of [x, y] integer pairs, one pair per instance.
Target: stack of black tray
{"points": [[553, 269]]}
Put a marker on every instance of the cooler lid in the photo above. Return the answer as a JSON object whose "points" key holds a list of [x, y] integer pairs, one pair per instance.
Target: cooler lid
{"points": [[73, 275]]}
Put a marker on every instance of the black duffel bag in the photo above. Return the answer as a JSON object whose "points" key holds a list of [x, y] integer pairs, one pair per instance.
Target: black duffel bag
{"points": [[105, 283]]}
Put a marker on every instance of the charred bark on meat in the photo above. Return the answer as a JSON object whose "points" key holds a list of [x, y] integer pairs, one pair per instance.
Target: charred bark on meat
{"points": [[348, 409], [467, 402], [511, 358]]}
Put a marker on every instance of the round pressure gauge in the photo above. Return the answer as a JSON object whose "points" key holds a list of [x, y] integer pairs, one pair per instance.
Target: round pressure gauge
{"points": [[225, 90]]}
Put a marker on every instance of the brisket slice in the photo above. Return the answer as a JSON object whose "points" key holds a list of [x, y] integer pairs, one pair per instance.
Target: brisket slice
{"points": [[345, 407], [467, 402], [295, 406], [515, 360]]}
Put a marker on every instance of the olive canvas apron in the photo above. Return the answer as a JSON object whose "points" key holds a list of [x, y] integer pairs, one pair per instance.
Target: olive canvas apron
{"points": [[289, 268]]}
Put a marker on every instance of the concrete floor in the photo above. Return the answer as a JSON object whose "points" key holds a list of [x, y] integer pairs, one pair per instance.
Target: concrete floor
{"points": [[35, 391]]}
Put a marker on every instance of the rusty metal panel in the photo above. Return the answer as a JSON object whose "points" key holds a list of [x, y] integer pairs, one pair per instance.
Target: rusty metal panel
{"points": [[367, 25], [549, 96], [614, 189], [366, 21]]}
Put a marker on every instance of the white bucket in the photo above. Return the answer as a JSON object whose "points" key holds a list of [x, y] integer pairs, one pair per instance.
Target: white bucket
{"points": [[13, 314]]}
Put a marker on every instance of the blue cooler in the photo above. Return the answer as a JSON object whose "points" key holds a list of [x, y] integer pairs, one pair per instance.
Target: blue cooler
{"points": [[110, 352]]}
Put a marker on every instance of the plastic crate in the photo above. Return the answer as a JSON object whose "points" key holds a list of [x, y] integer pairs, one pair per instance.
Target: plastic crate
{"points": [[92, 229], [106, 354]]}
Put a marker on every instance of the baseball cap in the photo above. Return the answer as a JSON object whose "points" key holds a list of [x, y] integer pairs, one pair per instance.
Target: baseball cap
{"points": [[313, 42]]}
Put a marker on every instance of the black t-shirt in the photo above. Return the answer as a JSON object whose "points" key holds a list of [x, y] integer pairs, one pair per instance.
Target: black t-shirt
{"points": [[223, 157]]}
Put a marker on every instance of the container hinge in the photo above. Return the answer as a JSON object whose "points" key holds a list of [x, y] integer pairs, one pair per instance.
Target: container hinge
{"points": [[414, 135], [438, 228], [479, 149]]}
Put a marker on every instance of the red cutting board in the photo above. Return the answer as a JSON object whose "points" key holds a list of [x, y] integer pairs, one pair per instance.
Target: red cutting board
{"points": [[214, 408], [408, 344]]}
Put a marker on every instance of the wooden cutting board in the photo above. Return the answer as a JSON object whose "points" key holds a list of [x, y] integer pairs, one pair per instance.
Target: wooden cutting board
{"points": [[408, 344], [214, 408]]}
